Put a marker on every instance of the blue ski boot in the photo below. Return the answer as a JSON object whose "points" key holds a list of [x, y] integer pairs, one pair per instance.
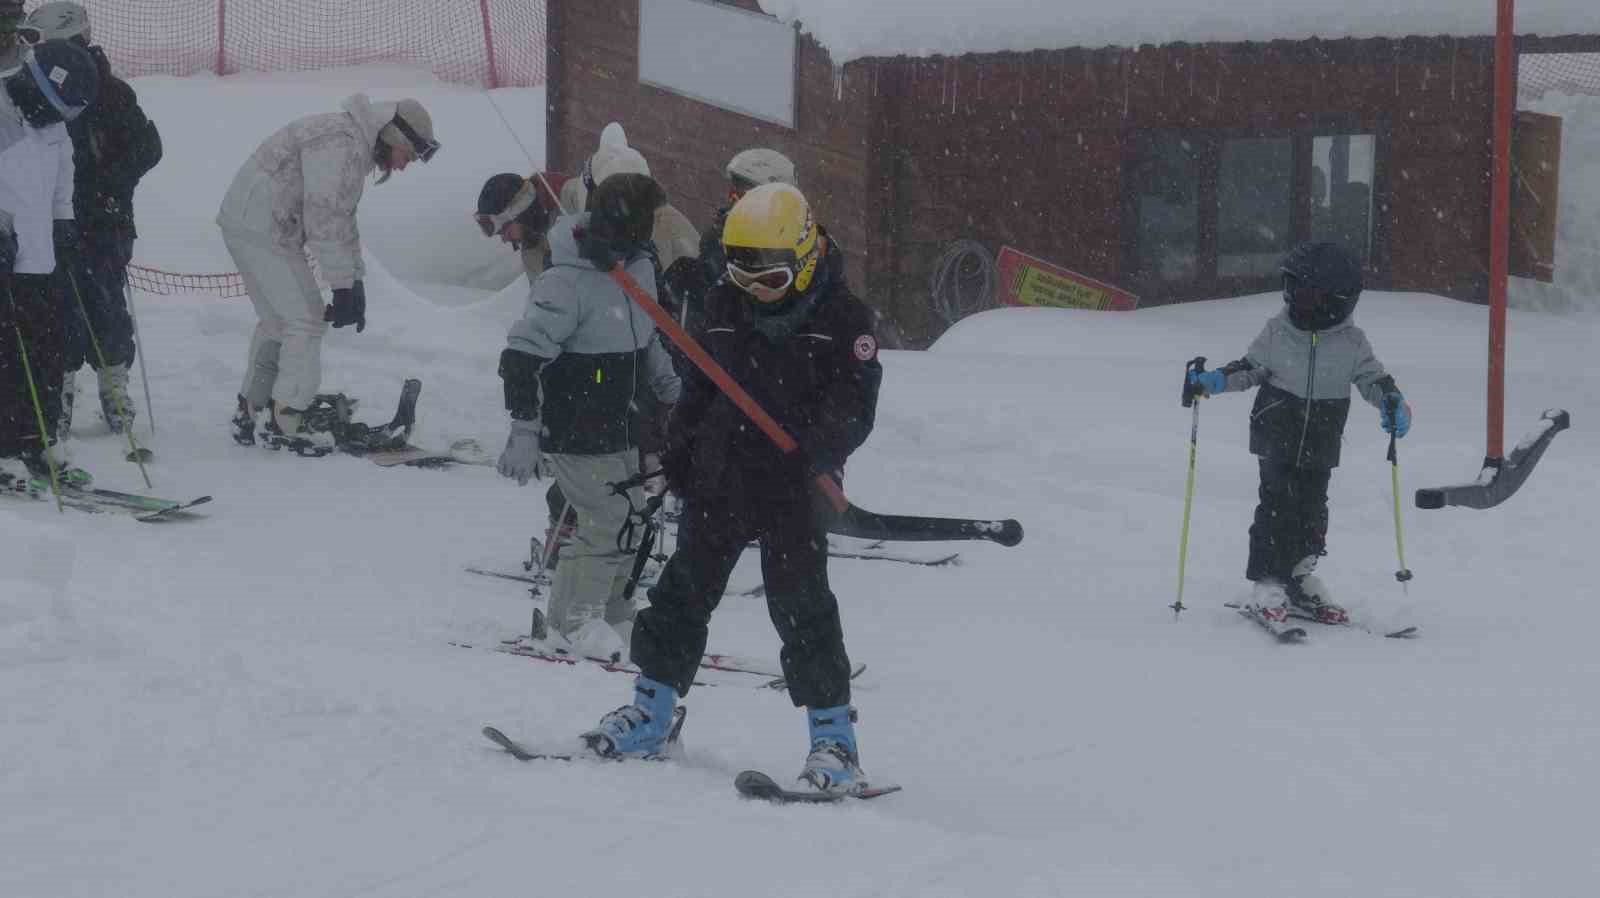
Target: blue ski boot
{"points": [[834, 765], [639, 730]]}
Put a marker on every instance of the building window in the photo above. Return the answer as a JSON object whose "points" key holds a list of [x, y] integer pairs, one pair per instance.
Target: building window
{"points": [[1255, 206], [1210, 213], [1167, 203], [1341, 191]]}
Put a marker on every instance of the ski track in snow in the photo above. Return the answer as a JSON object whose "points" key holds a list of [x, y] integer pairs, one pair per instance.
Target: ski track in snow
{"points": [[264, 703]]}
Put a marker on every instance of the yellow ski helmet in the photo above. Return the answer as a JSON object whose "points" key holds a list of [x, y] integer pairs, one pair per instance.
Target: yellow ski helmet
{"points": [[771, 242]]}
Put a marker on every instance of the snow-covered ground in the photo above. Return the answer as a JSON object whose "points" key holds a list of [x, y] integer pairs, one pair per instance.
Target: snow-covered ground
{"points": [[267, 703]]}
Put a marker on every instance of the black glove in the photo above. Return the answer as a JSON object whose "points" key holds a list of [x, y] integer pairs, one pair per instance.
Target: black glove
{"points": [[8, 252], [69, 243], [677, 469], [349, 307]]}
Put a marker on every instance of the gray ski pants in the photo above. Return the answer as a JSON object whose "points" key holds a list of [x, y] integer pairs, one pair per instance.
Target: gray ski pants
{"points": [[285, 362], [592, 572]]}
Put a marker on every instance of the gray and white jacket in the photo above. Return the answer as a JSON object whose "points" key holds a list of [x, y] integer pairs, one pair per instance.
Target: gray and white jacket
{"points": [[1305, 379], [598, 356]]}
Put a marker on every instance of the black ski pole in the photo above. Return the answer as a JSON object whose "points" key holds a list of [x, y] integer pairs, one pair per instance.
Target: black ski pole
{"points": [[1191, 393]]}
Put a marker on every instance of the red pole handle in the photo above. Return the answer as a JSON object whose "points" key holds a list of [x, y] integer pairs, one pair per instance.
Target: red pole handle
{"points": [[724, 381]]}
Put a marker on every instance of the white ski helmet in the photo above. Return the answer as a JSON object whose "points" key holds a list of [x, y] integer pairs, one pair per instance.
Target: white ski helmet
{"points": [[60, 21], [760, 165]]}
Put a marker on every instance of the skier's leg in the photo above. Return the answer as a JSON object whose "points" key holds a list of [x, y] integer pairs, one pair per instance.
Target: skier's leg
{"points": [[592, 568], [794, 567], [1275, 531], [261, 363], [670, 636], [16, 408], [40, 317], [102, 289]]}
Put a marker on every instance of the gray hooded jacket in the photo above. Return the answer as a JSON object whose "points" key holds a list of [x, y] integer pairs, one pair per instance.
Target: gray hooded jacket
{"points": [[599, 357], [1305, 379]]}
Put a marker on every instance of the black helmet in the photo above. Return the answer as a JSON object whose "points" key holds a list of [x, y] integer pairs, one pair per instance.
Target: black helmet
{"points": [[1321, 284], [507, 198], [56, 82]]}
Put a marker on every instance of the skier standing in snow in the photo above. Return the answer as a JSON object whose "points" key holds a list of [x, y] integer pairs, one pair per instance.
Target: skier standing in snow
{"points": [[786, 328], [673, 246], [113, 145], [1305, 361], [55, 84], [574, 367], [298, 192]]}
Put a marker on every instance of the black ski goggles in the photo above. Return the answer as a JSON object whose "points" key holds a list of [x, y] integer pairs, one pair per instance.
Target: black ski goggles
{"points": [[421, 146]]}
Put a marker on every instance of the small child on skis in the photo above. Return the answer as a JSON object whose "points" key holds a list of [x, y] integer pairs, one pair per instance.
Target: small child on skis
{"points": [[1305, 361]]}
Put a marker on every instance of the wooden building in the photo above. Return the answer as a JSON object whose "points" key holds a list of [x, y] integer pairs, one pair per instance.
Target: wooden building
{"points": [[1175, 172]]}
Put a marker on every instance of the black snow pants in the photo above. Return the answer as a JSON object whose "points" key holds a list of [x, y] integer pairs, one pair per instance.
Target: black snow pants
{"points": [[101, 282], [1291, 519], [670, 635], [31, 304]]}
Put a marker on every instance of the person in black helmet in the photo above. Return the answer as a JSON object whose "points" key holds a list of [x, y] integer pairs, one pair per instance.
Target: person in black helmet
{"points": [[518, 211], [1305, 361], [56, 82], [114, 145]]}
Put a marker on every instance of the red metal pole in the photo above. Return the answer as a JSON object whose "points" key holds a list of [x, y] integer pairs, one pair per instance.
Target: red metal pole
{"points": [[1505, 97], [222, 38], [724, 381], [488, 43]]}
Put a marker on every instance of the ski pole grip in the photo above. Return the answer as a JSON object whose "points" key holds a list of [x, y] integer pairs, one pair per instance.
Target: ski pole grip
{"points": [[1197, 365]]}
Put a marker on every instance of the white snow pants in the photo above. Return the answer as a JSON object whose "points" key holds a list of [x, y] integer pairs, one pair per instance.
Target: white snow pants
{"points": [[592, 573], [285, 363]]}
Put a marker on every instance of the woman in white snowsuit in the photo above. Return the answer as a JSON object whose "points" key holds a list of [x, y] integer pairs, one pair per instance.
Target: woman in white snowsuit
{"points": [[297, 193], [1304, 360]]}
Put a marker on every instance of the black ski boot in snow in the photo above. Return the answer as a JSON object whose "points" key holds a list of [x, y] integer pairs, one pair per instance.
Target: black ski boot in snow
{"points": [[244, 423], [286, 430]]}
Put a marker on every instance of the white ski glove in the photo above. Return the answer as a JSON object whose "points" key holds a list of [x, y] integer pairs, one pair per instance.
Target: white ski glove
{"points": [[521, 458]]}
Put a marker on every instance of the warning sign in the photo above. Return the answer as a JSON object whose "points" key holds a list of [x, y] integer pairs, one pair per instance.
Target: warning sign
{"points": [[1029, 281]]}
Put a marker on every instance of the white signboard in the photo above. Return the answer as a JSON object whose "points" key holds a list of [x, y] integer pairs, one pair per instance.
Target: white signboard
{"points": [[721, 55]]}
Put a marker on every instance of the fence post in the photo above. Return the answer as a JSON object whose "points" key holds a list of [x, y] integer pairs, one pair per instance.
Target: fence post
{"points": [[488, 43], [222, 37]]}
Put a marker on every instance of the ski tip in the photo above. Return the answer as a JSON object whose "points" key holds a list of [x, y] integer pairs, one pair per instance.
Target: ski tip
{"points": [[1009, 533]]}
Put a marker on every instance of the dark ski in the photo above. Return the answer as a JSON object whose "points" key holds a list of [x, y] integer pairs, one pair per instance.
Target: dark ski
{"points": [[1355, 624], [755, 784], [1273, 620], [524, 753]]}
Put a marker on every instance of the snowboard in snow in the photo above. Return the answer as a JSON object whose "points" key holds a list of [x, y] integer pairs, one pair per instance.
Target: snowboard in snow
{"points": [[525, 753], [755, 784]]}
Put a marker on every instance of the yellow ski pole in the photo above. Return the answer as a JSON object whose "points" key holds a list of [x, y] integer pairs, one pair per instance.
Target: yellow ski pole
{"points": [[1404, 573], [1190, 395]]}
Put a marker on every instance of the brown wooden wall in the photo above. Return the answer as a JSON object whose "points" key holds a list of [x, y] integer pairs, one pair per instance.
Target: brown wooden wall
{"points": [[1028, 149], [594, 79], [902, 156]]}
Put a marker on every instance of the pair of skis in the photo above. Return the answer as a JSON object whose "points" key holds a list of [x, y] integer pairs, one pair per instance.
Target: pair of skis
{"points": [[1284, 622], [523, 647], [148, 509], [749, 783]]}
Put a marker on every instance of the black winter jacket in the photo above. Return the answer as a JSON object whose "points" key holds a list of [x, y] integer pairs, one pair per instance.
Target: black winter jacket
{"points": [[819, 382], [113, 146]]}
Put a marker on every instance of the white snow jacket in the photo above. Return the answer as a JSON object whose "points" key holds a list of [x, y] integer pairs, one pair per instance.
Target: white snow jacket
{"points": [[35, 186], [300, 188]]}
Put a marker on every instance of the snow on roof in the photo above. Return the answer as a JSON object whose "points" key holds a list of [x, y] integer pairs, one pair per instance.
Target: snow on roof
{"points": [[851, 29]]}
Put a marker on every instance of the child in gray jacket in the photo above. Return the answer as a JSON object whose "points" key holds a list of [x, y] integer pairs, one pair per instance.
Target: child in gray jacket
{"points": [[1305, 361]]}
